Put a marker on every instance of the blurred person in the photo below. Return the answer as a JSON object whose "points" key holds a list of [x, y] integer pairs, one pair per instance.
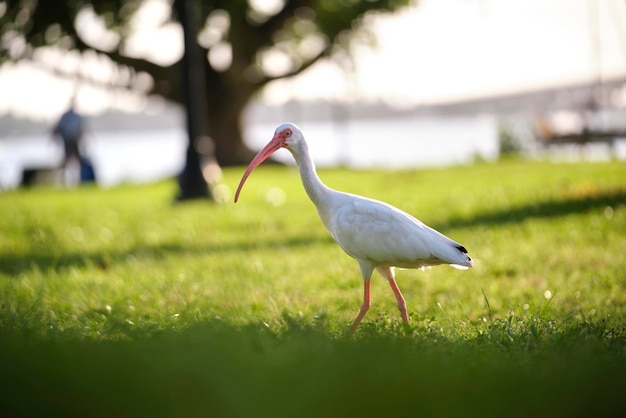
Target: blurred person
{"points": [[70, 129]]}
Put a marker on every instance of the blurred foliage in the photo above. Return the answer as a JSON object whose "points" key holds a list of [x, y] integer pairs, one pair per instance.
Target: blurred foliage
{"points": [[29, 24], [509, 143], [297, 35], [516, 135]]}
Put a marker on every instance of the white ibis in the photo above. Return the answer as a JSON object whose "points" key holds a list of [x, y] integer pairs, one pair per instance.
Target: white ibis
{"points": [[379, 236]]}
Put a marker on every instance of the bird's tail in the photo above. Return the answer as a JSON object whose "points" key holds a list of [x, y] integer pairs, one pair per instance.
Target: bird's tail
{"points": [[466, 260]]}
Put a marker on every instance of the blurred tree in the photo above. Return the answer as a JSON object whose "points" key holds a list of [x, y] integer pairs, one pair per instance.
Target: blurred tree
{"points": [[248, 43]]}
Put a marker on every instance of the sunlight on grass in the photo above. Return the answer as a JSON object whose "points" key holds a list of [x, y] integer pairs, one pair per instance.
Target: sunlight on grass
{"points": [[118, 295]]}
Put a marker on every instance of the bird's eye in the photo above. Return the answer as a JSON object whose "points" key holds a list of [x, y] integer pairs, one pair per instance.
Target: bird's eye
{"points": [[287, 133]]}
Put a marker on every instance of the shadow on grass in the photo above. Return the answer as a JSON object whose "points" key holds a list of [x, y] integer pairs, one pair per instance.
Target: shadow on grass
{"points": [[539, 210], [217, 369], [46, 259]]}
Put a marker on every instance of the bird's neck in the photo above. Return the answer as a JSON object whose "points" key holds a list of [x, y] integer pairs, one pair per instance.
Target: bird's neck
{"points": [[315, 189]]}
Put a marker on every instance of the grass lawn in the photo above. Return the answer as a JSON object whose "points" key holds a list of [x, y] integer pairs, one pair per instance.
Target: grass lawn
{"points": [[117, 303]]}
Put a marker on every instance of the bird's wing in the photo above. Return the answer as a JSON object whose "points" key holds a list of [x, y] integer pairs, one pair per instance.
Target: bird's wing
{"points": [[371, 230]]}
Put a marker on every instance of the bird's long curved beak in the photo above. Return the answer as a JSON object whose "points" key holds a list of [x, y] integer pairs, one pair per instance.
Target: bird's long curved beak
{"points": [[275, 144]]}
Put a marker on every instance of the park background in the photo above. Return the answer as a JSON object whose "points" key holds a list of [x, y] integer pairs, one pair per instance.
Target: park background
{"points": [[445, 82], [114, 301]]}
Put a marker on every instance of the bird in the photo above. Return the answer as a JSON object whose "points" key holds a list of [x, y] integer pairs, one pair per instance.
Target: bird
{"points": [[379, 236]]}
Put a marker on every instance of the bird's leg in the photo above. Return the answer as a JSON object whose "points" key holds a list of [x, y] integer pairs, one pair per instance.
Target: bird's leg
{"points": [[364, 307], [401, 301], [387, 273]]}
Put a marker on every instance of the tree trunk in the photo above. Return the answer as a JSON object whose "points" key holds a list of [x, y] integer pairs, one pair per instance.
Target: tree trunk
{"points": [[226, 131], [227, 99], [191, 182]]}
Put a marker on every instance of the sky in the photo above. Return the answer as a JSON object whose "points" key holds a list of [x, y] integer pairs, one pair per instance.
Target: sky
{"points": [[441, 50], [450, 49]]}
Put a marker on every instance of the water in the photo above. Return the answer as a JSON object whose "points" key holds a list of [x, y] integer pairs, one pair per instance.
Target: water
{"points": [[118, 157], [151, 155], [393, 143]]}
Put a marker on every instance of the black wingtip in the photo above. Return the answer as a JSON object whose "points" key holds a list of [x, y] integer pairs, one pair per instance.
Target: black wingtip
{"points": [[462, 249]]}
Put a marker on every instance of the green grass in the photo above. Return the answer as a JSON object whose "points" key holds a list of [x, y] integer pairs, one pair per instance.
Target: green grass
{"points": [[118, 303]]}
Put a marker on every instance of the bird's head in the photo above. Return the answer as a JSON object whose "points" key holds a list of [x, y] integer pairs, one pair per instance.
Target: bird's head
{"points": [[287, 135]]}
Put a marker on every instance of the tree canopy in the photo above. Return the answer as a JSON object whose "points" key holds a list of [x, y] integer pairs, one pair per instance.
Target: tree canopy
{"points": [[248, 43]]}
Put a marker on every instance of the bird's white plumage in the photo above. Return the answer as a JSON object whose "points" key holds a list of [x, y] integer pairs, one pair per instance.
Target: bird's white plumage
{"points": [[374, 231], [379, 236]]}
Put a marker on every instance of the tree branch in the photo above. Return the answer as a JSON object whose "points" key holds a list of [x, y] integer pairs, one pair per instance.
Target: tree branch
{"points": [[298, 70], [158, 73], [278, 20]]}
